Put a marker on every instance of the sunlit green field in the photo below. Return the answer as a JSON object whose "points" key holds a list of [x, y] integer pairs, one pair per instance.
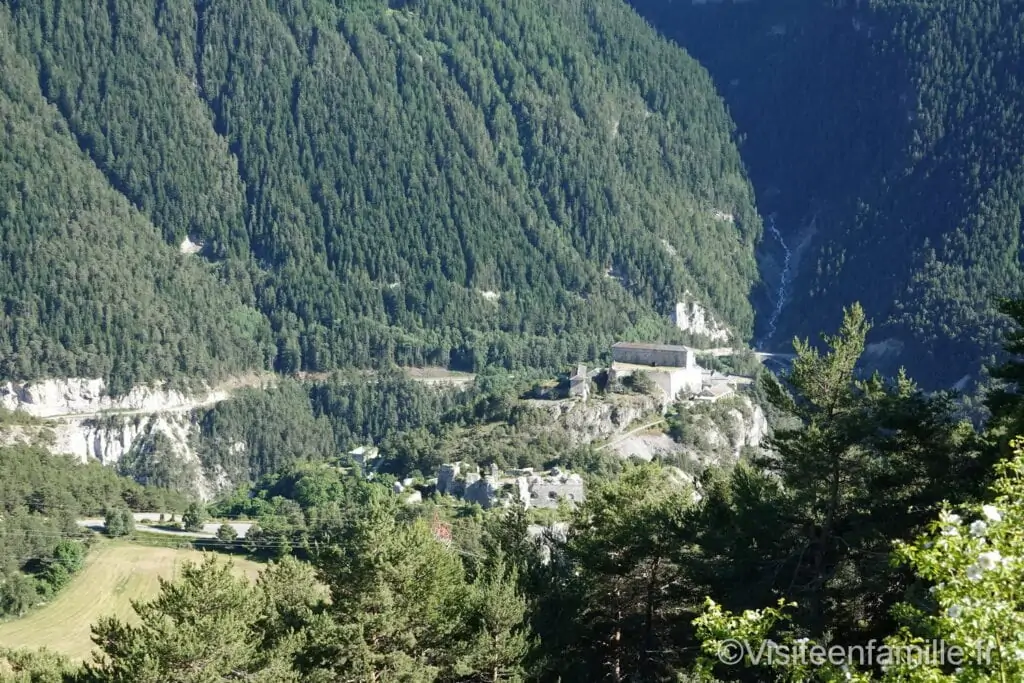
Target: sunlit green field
{"points": [[115, 574]]}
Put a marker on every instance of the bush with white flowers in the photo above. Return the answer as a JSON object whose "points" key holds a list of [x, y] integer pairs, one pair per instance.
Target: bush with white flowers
{"points": [[975, 560]]}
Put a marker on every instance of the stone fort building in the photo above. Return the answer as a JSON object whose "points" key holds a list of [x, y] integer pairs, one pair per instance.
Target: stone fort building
{"points": [[673, 369]]}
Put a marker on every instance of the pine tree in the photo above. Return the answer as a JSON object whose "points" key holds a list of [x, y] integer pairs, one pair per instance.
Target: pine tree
{"points": [[193, 518], [1006, 402], [867, 461], [398, 597], [620, 575], [497, 640], [200, 628], [114, 522]]}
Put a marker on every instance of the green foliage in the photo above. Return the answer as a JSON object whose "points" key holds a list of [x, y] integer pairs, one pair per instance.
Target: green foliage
{"points": [[525, 150], [617, 608], [399, 607], [205, 625], [1004, 401], [10, 418], [497, 639], [119, 521], [401, 626], [641, 383], [68, 558], [972, 607], [156, 459], [41, 496], [41, 666], [855, 117], [262, 432], [856, 437], [96, 291], [193, 517], [275, 427]]}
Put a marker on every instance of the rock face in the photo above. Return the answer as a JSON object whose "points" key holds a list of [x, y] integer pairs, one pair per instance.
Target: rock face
{"points": [[736, 428], [83, 397], [151, 432], [691, 317], [107, 441], [544, 490], [714, 433], [594, 420], [158, 448]]}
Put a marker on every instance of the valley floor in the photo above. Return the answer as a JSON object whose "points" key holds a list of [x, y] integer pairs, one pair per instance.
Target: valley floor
{"points": [[115, 574]]}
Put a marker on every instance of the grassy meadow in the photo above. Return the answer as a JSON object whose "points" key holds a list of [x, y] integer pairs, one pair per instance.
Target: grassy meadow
{"points": [[115, 574]]}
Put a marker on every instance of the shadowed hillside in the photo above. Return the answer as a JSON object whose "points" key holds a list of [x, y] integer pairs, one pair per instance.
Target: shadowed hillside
{"points": [[897, 124]]}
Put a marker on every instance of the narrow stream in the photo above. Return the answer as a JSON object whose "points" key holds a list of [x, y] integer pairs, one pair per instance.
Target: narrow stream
{"points": [[784, 281]]}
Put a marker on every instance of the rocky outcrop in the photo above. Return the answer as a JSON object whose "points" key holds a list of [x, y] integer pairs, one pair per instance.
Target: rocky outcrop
{"points": [[587, 421], [713, 433], [107, 441], [694, 318], [150, 433], [725, 429], [88, 397], [158, 448], [750, 427]]}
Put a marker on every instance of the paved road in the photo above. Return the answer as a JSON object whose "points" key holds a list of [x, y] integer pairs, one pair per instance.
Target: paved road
{"points": [[209, 530], [763, 356], [186, 407], [726, 351]]}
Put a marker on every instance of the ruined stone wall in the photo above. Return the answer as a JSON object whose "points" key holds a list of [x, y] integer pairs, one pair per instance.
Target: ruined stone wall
{"points": [[545, 492]]}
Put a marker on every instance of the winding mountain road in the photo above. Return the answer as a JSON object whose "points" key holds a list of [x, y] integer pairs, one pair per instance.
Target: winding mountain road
{"points": [[623, 437]]}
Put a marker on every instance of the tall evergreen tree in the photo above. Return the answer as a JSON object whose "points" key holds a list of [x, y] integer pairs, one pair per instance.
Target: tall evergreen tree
{"points": [[619, 606], [397, 597], [867, 462], [496, 640], [201, 628]]}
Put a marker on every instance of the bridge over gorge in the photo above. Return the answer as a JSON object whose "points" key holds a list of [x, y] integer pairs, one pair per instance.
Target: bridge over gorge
{"points": [[761, 355]]}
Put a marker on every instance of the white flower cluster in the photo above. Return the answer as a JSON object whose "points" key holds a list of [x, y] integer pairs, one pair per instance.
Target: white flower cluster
{"points": [[951, 524], [991, 559], [986, 561], [992, 513]]}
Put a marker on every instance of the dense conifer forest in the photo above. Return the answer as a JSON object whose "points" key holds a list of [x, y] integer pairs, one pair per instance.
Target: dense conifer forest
{"points": [[425, 182], [896, 125], [195, 189]]}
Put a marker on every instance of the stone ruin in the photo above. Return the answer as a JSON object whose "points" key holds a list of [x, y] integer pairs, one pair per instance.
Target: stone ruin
{"points": [[498, 488]]}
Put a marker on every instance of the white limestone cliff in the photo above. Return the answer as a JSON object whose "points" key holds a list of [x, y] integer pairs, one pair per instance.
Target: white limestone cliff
{"points": [[86, 397], [692, 317], [77, 417], [710, 441]]}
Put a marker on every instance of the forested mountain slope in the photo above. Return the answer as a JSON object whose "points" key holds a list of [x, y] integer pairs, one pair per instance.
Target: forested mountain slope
{"points": [[87, 284], [430, 182], [899, 125]]}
